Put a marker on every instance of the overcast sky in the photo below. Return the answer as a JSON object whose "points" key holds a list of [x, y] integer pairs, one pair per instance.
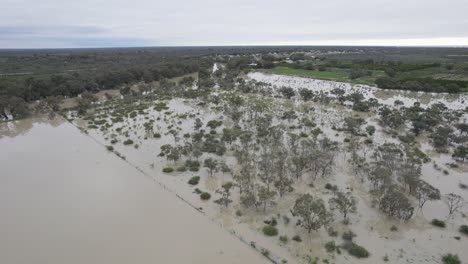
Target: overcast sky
{"points": [[117, 23]]}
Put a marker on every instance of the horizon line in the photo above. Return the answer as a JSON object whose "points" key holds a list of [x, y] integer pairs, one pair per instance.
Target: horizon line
{"points": [[240, 45]]}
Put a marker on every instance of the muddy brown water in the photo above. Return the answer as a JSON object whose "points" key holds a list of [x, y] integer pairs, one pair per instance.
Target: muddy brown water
{"points": [[65, 199]]}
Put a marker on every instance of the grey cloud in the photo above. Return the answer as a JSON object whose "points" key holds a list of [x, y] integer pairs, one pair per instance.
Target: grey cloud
{"points": [[217, 22]]}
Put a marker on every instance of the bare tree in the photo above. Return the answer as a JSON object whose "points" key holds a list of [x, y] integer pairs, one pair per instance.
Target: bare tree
{"points": [[454, 202], [426, 192]]}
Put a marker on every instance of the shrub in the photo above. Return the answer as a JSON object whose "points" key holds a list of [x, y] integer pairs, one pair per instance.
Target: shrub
{"points": [[297, 238], [113, 141], [205, 196], [331, 187], [181, 168], [156, 135], [330, 246], [168, 169], [385, 258], [194, 180], [450, 259], [332, 232], [128, 142], [269, 230], [348, 236], [394, 228], [110, 148], [358, 251], [283, 239], [464, 229], [437, 222]]}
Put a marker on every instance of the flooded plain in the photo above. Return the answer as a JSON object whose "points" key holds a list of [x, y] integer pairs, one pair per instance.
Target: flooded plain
{"points": [[65, 199], [62, 190]]}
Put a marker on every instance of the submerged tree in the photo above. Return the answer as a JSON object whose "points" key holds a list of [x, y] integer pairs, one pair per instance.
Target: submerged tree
{"points": [[345, 203], [311, 211], [396, 204], [454, 202], [265, 196], [426, 192], [211, 164], [226, 194]]}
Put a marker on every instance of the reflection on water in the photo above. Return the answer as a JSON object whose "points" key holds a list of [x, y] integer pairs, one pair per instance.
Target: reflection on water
{"points": [[65, 199]]}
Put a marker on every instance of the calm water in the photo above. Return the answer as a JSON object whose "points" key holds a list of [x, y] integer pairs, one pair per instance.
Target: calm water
{"points": [[65, 199]]}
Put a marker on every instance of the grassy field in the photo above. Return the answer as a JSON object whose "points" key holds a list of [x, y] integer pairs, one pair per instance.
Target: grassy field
{"points": [[335, 75]]}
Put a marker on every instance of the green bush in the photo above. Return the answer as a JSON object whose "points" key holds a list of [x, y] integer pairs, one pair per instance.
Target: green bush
{"points": [[437, 222], [348, 236], [297, 238], [269, 230], [109, 148], [358, 251], [283, 239], [450, 259], [194, 180], [156, 135], [128, 142], [168, 169], [463, 229], [330, 246], [205, 196]]}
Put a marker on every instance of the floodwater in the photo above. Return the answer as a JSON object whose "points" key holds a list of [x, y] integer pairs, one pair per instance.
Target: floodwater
{"points": [[416, 241], [65, 199], [387, 97]]}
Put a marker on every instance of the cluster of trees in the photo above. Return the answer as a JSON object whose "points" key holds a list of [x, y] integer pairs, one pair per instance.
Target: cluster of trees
{"points": [[102, 72], [438, 121], [422, 84], [394, 173]]}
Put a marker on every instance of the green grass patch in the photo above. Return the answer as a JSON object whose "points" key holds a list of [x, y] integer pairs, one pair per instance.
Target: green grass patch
{"points": [[330, 75]]}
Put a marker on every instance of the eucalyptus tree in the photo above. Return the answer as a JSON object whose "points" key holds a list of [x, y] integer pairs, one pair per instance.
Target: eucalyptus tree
{"points": [[396, 204], [345, 203], [225, 192], [211, 164], [311, 211], [426, 192], [389, 155], [265, 196]]}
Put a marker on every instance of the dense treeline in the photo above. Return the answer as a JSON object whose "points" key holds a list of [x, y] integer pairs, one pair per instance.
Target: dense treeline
{"points": [[422, 84], [34, 76]]}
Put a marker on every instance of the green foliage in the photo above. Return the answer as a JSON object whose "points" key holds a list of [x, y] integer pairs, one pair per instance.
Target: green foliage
{"points": [[269, 230], [464, 229], [194, 180], [205, 196], [330, 246], [451, 259], [168, 169], [128, 142], [297, 238], [438, 223], [357, 251], [311, 211], [348, 236]]}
